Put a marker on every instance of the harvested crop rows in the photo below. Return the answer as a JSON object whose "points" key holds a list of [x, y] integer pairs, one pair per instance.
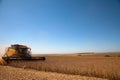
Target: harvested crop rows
{"points": [[101, 67]]}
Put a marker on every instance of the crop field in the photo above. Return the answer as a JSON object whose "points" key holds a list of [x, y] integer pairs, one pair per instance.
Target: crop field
{"points": [[11, 73], [92, 66]]}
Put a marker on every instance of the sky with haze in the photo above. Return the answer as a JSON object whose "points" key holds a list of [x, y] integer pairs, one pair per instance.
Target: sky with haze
{"points": [[61, 26]]}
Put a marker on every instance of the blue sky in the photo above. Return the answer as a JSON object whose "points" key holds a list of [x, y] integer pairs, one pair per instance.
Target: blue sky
{"points": [[61, 26]]}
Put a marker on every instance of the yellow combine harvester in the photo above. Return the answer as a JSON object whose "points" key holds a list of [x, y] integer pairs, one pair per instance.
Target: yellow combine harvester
{"points": [[18, 52]]}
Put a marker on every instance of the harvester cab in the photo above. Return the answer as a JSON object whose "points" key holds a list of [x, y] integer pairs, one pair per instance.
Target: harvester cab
{"points": [[18, 52]]}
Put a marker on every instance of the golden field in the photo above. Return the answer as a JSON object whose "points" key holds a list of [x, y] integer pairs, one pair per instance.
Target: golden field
{"points": [[11, 73], [100, 66]]}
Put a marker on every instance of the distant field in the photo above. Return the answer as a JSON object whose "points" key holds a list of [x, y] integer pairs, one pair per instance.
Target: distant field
{"points": [[88, 65], [88, 54]]}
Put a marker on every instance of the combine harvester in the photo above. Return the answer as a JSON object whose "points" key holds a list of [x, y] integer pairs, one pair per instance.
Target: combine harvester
{"points": [[18, 52]]}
